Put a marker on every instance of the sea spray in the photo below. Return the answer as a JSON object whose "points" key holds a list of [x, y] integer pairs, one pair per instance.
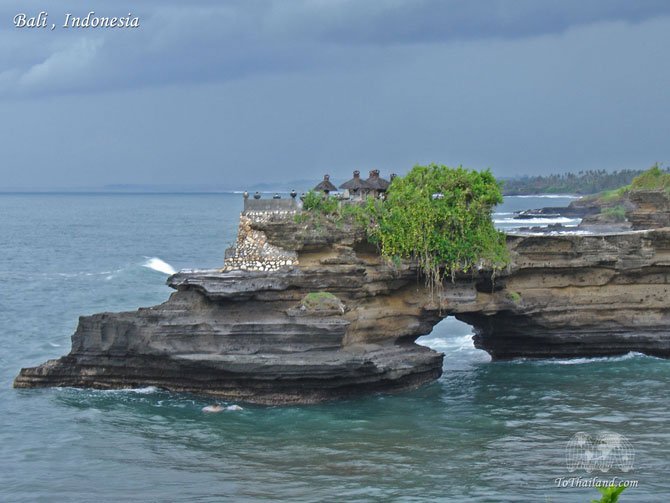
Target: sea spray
{"points": [[158, 265]]}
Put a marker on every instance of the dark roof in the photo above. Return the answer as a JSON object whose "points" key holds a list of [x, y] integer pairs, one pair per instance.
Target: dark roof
{"points": [[377, 183], [355, 183], [325, 185]]}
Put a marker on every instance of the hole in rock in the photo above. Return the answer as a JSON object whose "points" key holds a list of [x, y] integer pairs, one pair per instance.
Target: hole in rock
{"points": [[454, 338]]}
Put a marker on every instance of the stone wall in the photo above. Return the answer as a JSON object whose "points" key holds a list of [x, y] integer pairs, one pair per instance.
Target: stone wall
{"points": [[252, 252], [271, 205]]}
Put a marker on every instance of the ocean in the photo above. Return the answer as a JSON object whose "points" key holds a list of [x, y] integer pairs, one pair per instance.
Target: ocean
{"points": [[484, 432]]}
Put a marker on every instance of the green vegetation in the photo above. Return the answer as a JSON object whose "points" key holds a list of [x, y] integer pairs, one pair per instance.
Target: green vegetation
{"points": [[514, 297], [316, 202], [609, 494], [319, 209], [652, 179], [441, 218], [614, 195], [437, 216], [615, 213], [613, 201], [320, 301], [583, 182]]}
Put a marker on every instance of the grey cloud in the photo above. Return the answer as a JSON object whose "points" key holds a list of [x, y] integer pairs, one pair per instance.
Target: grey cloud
{"points": [[351, 21], [594, 97], [209, 41]]}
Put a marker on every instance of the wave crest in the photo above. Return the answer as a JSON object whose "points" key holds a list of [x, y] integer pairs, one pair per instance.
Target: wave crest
{"points": [[159, 265]]}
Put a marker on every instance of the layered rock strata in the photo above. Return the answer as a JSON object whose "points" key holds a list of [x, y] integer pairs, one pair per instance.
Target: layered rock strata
{"points": [[252, 335]]}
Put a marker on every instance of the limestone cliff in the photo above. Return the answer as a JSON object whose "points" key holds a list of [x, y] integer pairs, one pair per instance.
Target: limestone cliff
{"points": [[248, 331]]}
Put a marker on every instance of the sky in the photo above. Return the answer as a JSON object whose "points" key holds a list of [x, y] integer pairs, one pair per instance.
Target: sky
{"points": [[226, 94]]}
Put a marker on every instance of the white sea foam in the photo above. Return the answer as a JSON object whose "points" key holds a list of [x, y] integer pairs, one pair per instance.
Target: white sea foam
{"points": [[571, 230], [526, 222], [549, 196], [583, 361], [158, 265], [147, 390], [216, 408], [461, 343]]}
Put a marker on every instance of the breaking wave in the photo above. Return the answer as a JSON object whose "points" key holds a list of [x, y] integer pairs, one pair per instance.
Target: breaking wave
{"points": [[535, 221], [158, 265], [549, 196]]}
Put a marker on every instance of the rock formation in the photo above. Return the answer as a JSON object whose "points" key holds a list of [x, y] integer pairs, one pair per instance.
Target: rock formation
{"points": [[648, 209], [303, 312]]}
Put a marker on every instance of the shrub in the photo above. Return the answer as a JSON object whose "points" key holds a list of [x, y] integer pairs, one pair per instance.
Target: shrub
{"points": [[320, 203], [609, 494], [652, 179], [614, 195], [615, 213], [441, 218]]}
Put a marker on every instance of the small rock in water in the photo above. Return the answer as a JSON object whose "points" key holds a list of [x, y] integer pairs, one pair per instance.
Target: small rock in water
{"points": [[212, 408]]}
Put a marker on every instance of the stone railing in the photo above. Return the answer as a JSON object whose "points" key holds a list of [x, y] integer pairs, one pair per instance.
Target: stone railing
{"points": [[271, 205]]}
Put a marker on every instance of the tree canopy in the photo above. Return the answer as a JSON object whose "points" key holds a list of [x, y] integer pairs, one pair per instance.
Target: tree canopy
{"points": [[583, 182], [441, 217]]}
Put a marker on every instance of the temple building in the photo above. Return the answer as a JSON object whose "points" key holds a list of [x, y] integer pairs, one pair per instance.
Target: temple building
{"points": [[325, 186], [357, 187], [377, 185]]}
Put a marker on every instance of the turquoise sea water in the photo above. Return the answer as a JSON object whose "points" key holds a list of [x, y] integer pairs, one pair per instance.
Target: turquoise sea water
{"points": [[484, 432]]}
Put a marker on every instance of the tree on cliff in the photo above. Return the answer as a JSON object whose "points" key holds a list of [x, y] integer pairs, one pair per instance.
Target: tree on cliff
{"points": [[441, 217]]}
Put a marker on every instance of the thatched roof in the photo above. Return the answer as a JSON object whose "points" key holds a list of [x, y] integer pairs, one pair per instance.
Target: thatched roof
{"points": [[325, 185], [377, 183], [356, 183]]}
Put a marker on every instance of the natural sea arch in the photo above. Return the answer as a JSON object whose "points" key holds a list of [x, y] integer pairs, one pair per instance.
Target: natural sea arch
{"points": [[454, 338]]}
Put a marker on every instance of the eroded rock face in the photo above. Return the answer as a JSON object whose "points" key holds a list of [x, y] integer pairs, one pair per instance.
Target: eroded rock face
{"points": [[582, 296], [248, 334], [650, 209]]}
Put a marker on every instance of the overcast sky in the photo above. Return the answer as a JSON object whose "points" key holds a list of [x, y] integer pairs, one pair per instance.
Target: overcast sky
{"points": [[236, 92]]}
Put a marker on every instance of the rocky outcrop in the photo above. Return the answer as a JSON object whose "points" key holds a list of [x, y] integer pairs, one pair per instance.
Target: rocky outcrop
{"points": [[273, 336], [635, 209], [577, 295], [650, 209]]}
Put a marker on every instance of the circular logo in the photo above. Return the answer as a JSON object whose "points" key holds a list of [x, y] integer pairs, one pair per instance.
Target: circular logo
{"points": [[601, 452]]}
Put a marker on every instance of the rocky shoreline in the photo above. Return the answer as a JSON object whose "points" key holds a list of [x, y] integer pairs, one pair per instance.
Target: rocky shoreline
{"points": [[247, 331], [636, 210]]}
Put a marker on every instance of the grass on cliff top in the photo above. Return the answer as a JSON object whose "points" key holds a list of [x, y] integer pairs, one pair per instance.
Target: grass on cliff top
{"points": [[653, 179]]}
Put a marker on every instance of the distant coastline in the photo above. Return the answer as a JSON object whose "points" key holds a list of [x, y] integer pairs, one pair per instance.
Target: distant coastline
{"points": [[264, 188], [564, 184], [570, 183]]}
